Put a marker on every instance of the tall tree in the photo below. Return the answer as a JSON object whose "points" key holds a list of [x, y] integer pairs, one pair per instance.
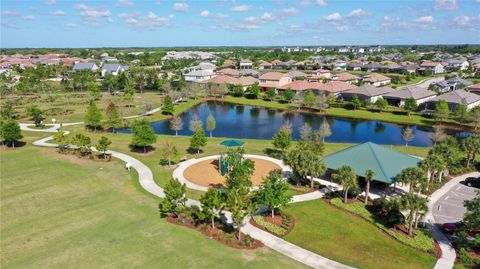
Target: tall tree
{"points": [[36, 114], [211, 124], [288, 95], [83, 143], [461, 112], [306, 163], [176, 124], [433, 165], [407, 135], [414, 177], [410, 105], [93, 117], [198, 140], [254, 91], [414, 204], [356, 102], [174, 201], [381, 104], [61, 138], [167, 107], [282, 139], [112, 119], [195, 123], [347, 177], [324, 129], [212, 204], [93, 90], [241, 206], [471, 147], [441, 110], [273, 191], [168, 151], [438, 134], [103, 144], [472, 216], [369, 174], [309, 99], [10, 132], [143, 134]]}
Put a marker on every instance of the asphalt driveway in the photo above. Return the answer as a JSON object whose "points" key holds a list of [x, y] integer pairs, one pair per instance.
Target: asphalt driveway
{"points": [[449, 208]]}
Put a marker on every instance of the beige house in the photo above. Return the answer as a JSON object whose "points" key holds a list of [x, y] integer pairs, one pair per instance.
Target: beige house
{"points": [[377, 80], [273, 80]]}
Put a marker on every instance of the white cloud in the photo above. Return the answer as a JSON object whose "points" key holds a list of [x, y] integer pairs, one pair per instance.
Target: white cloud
{"points": [[124, 3], [49, 2], [322, 3], [180, 7], [467, 22], [9, 13], [267, 16], [305, 3], [109, 19], [333, 17], [29, 17], [10, 25], [425, 19], [221, 16], [90, 12], [445, 4], [205, 13], [289, 11], [149, 21], [357, 13], [240, 8], [57, 13]]}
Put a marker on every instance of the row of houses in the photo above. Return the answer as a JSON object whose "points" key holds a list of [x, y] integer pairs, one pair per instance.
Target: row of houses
{"points": [[112, 68]]}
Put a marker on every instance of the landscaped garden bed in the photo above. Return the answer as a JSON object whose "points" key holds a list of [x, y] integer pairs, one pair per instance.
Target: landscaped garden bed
{"points": [[421, 240], [222, 233], [280, 225]]}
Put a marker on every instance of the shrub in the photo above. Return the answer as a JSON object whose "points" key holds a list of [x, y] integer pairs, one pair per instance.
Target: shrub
{"points": [[270, 227]]}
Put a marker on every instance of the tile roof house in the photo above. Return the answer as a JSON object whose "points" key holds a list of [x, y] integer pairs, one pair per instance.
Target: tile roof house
{"points": [[199, 75], [367, 93], [420, 95], [264, 65], [228, 64], [452, 84], [113, 69], [297, 74], [346, 77], [475, 88], [337, 87], [302, 85], [455, 98], [248, 72], [458, 62], [434, 67], [274, 80], [229, 72], [377, 80], [85, 66], [246, 64], [245, 82]]}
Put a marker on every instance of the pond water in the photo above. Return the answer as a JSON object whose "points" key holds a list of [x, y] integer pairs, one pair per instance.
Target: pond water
{"points": [[238, 121]]}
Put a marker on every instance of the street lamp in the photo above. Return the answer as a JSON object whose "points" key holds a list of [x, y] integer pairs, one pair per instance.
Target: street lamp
{"points": [[53, 121]]}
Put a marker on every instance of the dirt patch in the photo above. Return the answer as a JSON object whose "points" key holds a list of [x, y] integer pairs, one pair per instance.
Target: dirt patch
{"points": [[206, 173]]}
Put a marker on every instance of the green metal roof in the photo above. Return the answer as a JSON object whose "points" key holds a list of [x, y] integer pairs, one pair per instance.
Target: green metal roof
{"points": [[232, 143], [384, 162]]}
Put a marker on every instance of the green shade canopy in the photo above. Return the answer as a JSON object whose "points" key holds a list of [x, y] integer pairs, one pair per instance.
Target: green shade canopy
{"points": [[232, 143], [384, 162]]}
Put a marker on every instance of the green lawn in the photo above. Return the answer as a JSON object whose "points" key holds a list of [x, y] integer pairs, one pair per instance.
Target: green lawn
{"points": [[61, 212], [339, 236]]}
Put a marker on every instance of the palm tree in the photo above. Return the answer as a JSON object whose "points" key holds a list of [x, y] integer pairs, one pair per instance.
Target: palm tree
{"points": [[414, 204], [407, 134], [369, 174], [347, 178], [433, 165], [306, 163], [414, 177]]}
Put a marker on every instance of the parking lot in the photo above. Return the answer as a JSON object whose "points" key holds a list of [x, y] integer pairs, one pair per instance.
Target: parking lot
{"points": [[449, 208]]}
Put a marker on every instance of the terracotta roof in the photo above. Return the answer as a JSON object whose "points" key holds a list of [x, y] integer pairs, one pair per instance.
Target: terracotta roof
{"points": [[228, 63], [301, 85], [264, 63], [275, 62], [338, 86], [247, 81], [244, 81], [346, 77], [429, 64], [474, 87], [273, 76], [229, 71], [375, 78]]}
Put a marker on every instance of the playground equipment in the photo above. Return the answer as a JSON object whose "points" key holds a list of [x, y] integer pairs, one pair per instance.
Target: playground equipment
{"points": [[222, 162]]}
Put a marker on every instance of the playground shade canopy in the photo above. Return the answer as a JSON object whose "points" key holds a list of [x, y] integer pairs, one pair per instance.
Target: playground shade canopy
{"points": [[232, 143], [384, 162]]}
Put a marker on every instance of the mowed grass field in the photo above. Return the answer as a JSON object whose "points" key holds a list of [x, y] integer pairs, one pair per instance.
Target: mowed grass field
{"points": [[58, 211], [337, 235]]}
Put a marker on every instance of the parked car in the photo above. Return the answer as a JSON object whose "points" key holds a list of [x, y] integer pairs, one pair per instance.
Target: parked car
{"points": [[452, 226], [472, 182]]}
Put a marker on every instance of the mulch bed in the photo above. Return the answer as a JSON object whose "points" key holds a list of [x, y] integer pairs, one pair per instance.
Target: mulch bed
{"points": [[217, 234], [277, 220]]}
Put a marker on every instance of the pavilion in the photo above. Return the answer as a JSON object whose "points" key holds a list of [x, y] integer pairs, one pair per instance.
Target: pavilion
{"points": [[384, 162]]}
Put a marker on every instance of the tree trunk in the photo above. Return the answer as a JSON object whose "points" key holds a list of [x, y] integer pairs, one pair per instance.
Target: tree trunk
{"points": [[367, 191], [417, 217], [311, 182], [176, 133], [213, 222], [345, 197], [273, 212], [210, 134], [410, 225], [239, 234]]}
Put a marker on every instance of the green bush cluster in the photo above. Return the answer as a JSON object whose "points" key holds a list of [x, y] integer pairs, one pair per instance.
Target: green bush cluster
{"points": [[422, 239], [270, 227]]}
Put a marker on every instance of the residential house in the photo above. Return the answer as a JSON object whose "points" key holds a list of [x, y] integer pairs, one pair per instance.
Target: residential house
{"points": [[229, 72], [248, 72], [85, 66], [206, 66], [372, 67], [475, 88], [346, 77], [434, 67], [340, 65], [452, 84], [297, 74], [420, 95], [273, 80], [300, 86], [246, 64], [337, 87], [460, 63], [245, 82], [228, 64], [377, 80], [199, 75], [366, 93], [113, 69], [455, 98], [354, 66], [262, 65]]}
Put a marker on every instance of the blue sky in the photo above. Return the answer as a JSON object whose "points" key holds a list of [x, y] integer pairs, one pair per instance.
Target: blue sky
{"points": [[121, 23]]}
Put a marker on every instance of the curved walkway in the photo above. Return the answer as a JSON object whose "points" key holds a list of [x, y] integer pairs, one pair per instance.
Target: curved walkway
{"points": [[145, 177], [447, 260]]}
